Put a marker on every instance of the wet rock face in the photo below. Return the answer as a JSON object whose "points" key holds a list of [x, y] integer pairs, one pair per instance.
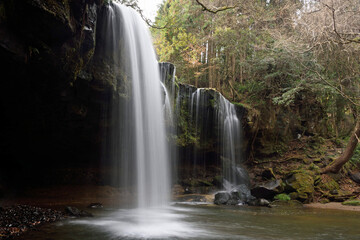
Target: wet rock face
{"points": [[222, 198], [75, 212], [237, 196]]}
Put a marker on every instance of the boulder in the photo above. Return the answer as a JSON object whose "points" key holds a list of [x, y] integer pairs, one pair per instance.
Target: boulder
{"points": [[260, 202], [327, 184], [267, 190], [222, 198], [75, 212], [301, 183], [355, 177], [241, 193], [238, 195], [95, 205]]}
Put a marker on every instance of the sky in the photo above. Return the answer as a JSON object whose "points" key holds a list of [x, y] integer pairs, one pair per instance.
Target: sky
{"points": [[149, 7]]}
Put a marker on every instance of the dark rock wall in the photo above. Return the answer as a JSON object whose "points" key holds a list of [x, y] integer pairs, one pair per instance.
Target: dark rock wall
{"points": [[55, 106]]}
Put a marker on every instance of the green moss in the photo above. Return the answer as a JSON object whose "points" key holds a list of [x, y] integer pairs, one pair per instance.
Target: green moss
{"points": [[282, 197], [324, 200], [328, 184], [317, 180], [188, 134], [314, 167], [205, 183], [293, 195], [301, 182], [351, 203], [356, 157]]}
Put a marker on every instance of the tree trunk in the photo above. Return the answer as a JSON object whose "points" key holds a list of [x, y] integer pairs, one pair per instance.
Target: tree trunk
{"points": [[210, 49], [348, 153], [233, 77]]}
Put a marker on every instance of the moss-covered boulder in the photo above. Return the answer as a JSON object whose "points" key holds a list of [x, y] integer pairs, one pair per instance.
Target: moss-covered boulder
{"points": [[302, 184], [351, 203], [327, 184]]}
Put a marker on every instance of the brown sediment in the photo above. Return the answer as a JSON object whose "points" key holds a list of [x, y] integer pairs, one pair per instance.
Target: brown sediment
{"points": [[334, 206]]}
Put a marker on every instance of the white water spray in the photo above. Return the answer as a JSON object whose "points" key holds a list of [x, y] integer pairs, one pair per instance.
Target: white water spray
{"points": [[141, 150]]}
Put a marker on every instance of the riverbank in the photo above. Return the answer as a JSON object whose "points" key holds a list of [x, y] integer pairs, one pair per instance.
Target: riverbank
{"points": [[45, 205], [333, 206]]}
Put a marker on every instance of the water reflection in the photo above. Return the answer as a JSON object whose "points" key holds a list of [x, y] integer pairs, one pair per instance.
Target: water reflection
{"points": [[200, 221]]}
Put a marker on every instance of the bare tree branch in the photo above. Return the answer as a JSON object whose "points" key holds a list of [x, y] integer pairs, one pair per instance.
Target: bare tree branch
{"points": [[216, 10]]}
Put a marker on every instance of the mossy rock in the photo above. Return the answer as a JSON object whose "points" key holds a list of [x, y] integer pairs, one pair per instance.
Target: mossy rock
{"points": [[301, 182], [339, 195], [327, 183], [293, 195], [314, 167], [351, 203], [324, 201]]}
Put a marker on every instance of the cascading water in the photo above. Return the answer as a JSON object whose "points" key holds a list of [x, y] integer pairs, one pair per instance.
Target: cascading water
{"points": [[226, 121], [215, 126], [138, 144], [141, 67], [138, 149], [231, 142]]}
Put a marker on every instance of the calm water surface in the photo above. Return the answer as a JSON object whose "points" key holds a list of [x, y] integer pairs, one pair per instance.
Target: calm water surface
{"points": [[184, 221]]}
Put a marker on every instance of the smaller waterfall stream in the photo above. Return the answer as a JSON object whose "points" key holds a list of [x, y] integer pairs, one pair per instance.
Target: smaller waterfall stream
{"points": [[229, 135], [214, 124]]}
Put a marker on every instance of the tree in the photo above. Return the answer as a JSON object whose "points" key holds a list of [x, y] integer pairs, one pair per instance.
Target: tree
{"points": [[331, 30], [269, 54]]}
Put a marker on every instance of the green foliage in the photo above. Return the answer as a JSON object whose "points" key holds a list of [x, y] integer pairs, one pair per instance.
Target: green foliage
{"points": [[259, 58], [187, 135], [356, 157], [282, 197]]}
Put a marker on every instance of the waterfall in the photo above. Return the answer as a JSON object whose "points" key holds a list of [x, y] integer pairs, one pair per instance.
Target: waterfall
{"points": [[231, 143], [138, 145], [216, 125], [140, 149], [228, 125]]}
